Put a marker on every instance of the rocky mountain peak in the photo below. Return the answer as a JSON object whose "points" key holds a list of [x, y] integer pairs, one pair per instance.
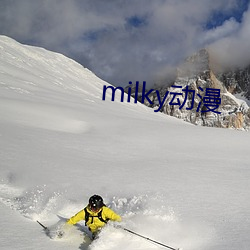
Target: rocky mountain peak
{"points": [[237, 81], [197, 64], [185, 99]]}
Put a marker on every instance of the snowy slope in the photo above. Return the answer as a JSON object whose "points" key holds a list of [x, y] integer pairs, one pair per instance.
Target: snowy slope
{"points": [[176, 183]]}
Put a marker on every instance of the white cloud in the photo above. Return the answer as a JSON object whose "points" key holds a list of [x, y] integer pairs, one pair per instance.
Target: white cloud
{"points": [[228, 28], [233, 50], [97, 33]]}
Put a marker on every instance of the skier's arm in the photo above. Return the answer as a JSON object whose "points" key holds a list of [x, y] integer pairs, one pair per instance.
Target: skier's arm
{"points": [[110, 214], [77, 217]]}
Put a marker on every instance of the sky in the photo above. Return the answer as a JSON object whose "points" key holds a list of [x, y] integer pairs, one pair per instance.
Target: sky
{"points": [[132, 40]]}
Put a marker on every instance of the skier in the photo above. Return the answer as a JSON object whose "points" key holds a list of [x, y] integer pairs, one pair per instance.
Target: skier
{"points": [[95, 214]]}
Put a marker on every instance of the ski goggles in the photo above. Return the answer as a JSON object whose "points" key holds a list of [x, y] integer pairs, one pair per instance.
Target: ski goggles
{"points": [[94, 208]]}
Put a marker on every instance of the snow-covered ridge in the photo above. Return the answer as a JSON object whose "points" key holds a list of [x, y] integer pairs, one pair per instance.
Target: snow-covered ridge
{"points": [[33, 74], [33, 66]]}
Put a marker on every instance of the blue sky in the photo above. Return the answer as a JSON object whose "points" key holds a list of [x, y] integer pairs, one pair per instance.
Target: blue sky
{"points": [[218, 17], [130, 40]]}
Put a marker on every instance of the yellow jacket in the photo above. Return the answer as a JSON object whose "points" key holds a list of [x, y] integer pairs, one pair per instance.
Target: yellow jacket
{"points": [[94, 223]]}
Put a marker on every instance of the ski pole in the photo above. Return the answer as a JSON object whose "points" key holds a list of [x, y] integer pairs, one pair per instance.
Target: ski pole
{"points": [[146, 238], [45, 228]]}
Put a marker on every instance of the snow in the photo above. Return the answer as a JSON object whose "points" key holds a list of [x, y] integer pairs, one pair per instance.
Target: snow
{"points": [[242, 99], [182, 185]]}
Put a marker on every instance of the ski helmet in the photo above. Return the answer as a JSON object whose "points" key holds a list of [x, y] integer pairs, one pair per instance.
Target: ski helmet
{"points": [[95, 202]]}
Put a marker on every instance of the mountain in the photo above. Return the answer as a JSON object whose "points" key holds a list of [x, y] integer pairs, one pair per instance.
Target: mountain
{"points": [[237, 81], [194, 78], [182, 185]]}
